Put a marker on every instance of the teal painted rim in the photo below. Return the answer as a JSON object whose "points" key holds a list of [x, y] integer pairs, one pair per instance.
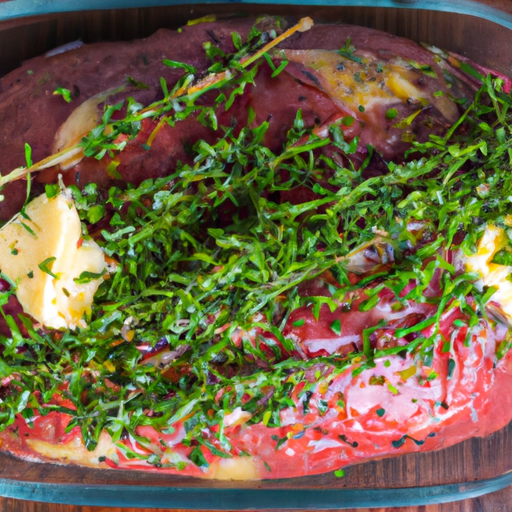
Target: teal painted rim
{"points": [[242, 498], [18, 8], [210, 497]]}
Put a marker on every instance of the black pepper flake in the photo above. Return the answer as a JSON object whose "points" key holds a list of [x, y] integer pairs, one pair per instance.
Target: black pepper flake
{"points": [[214, 37], [399, 442], [343, 437], [312, 77]]}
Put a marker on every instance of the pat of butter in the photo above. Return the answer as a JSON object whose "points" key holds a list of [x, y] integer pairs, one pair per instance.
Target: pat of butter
{"points": [[75, 451], [492, 274], [51, 231], [237, 468]]}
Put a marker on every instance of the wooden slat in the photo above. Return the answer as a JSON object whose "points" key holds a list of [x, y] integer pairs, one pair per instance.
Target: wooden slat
{"points": [[24, 38]]}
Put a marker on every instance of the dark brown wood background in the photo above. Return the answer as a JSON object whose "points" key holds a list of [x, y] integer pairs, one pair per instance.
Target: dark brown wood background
{"points": [[479, 39]]}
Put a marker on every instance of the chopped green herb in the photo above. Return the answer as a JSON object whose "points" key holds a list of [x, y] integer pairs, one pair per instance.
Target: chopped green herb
{"points": [[197, 457], [28, 228], [503, 257], [378, 380], [391, 113], [347, 51], [136, 83], [28, 155], [392, 389], [87, 277], [336, 327], [451, 367], [65, 93], [46, 266], [52, 190]]}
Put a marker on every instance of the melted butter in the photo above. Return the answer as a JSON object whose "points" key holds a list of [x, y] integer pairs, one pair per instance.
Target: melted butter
{"points": [[368, 83], [74, 451], [492, 274], [237, 468], [353, 83]]}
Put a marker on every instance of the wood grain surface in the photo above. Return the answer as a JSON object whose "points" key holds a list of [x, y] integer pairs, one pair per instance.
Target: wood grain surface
{"points": [[23, 38], [500, 501]]}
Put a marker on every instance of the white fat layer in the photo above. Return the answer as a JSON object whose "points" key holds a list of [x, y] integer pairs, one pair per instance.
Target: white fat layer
{"points": [[237, 417], [73, 45], [323, 444], [331, 345]]}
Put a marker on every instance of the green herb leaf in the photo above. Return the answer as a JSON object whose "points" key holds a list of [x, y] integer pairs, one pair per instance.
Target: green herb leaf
{"points": [[46, 266], [52, 190], [86, 277], [391, 113], [28, 155], [336, 327], [65, 93]]}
